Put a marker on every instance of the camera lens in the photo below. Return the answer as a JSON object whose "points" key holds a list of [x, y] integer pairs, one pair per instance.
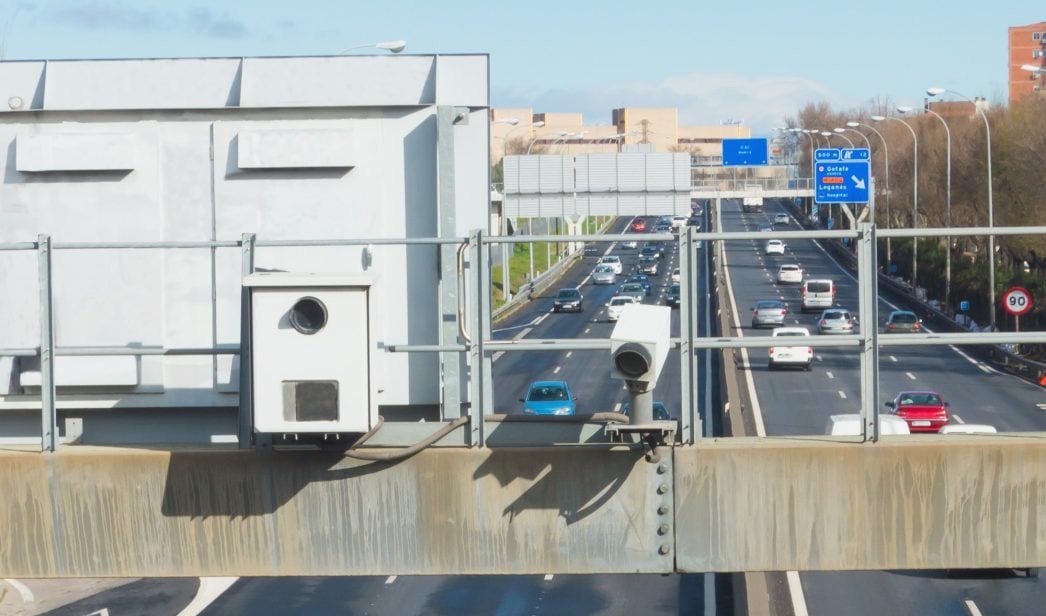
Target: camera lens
{"points": [[308, 315]]}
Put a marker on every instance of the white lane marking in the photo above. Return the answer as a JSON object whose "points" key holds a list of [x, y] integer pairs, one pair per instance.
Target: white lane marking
{"points": [[548, 577], [829, 375], [910, 375], [617, 407], [893, 359], [971, 607], [819, 358], [795, 589], [102, 612], [757, 412], [569, 353], [538, 320], [957, 418], [842, 394], [1042, 406], [23, 590], [985, 368], [210, 589], [556, 371], [390, 579], [588, 329], [507, 329]]}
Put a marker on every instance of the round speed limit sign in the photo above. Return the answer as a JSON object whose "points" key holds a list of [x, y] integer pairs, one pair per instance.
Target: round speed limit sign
{"points": [[1017, 301]]}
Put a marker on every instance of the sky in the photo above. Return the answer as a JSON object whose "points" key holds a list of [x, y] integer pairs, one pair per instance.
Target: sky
{"points": [[758, 61]]}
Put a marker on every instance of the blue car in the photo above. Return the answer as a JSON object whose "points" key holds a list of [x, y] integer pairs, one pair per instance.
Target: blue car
{"points": [[642, 279], [549, 398]]}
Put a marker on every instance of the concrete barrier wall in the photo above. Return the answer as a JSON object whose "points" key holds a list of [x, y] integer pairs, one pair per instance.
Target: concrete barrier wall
{"points": [[726, 505]]}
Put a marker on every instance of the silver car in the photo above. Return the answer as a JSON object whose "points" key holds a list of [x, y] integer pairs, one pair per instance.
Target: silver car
{"points": [[604, 274], [768, 312], [836, 321]]}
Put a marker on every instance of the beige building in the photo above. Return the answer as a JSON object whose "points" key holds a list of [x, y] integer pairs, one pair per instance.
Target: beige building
{"points": [[519, 130]]}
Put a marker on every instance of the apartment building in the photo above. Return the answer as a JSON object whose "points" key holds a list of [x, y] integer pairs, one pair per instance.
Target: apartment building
{"points": [[1027, 46]]}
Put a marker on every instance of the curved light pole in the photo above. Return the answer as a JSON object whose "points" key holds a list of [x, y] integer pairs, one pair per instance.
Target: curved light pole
{"points": [[839, 133], [886, 166], [532, 126], [393, 46], [561, 133], [991, 205], [915, 192], [948, 208], [866, 142]]}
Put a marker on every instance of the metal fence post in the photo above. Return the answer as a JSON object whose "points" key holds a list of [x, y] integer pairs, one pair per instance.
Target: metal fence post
{"points": [[687, 305], [245, 430], [451, 363], [481, 369], [48, 412], [868, 293]]}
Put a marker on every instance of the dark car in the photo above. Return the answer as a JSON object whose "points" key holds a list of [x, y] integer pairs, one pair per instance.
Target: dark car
{"points": [[650, 251], [694, 221], [634, 289], [672, 297], [648, 265], [660, 245], [642, 279], [568, 300]]}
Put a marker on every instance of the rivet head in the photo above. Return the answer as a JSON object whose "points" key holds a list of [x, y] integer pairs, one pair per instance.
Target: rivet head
{"points": [[662, 510], [663, 529], [664, 549], [663, 488]]}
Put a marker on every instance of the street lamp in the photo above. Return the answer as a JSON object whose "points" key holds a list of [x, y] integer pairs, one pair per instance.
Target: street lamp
{"points": [[839, 133], [866, 142], [991, 205], [886, 166], [948, 207], [828, 134], [1031, 68], [514, 121], [915, 187], [561, 133], [393, 46]]}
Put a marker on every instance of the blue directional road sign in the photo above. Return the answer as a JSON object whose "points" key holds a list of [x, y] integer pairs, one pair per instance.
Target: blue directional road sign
{"points": [[744, 152], [841, 176]]}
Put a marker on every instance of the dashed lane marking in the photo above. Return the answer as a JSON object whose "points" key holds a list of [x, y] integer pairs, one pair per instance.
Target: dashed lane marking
{"points": [[893, 359], [390, 579], [556, 371], [548, 577], [910, 375], [842, 394], [972, 608], [588, 329], [617, 407], [829, 375], [1042, 406], [569, 353], [957, 418]]}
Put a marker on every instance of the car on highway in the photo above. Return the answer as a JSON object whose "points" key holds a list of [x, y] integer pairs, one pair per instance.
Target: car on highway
{"points": [[642, 279], [613, 261], [617, 303], [836, 321], [768, 312], [604, 274], [647, 265], [818, 293], [638, 225], [629, 244], [678, 222], [766, 228], [781, 219], [568, 300], [903, 322], [650, 250], [968, 429], [694, 221], [672, 296], [774, 247], [925, 411], [663, 227], [675, 275], [796, 353], [660, 246], [789, 273], [634, 289], [549, 398]]}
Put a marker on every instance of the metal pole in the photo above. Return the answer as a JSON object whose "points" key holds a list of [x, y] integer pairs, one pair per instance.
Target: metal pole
{"points": [[48, 411], [530, 248], [451, 364], [868, 293], [506, 290], [991, 225], [915, 201], [948, 214], [245, 430], [886, 166]]}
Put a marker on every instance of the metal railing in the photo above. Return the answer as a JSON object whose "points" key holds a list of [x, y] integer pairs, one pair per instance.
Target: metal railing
{"points": [[479, 345]]}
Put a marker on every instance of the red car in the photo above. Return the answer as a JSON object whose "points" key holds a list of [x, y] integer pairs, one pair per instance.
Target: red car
{"points": [[638, 225], [925, 411]]}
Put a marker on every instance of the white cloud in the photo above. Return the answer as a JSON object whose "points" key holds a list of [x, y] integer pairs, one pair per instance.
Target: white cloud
{"points": [[701, 98]]}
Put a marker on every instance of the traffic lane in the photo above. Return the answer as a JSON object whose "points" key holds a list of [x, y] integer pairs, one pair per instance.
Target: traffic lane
{"points": [[992, 591], [144, 597], [506, 595], [1012, 405]]}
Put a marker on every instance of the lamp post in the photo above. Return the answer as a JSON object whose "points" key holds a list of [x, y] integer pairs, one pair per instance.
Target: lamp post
{"points": [[991, 205], [915, 190], [393, 46], [839, 133], [948, 207], [886, 166], [561, 133]]}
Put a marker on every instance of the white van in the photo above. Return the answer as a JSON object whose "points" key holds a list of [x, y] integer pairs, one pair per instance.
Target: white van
{"points": [[850, 425], [818, 294]]}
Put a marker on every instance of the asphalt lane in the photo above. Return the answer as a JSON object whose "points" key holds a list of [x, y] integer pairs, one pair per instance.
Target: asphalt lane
{"points": [[800, 403]]}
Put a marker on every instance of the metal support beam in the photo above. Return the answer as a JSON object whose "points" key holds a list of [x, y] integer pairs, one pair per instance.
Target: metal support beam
{"points": [[450, 363], [688, 302], [867, 297], [245, 422], [48, 410]]}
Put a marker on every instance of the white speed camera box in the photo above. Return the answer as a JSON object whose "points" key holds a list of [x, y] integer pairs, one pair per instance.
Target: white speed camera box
{"points": [[647, 328], [311, 353]]}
